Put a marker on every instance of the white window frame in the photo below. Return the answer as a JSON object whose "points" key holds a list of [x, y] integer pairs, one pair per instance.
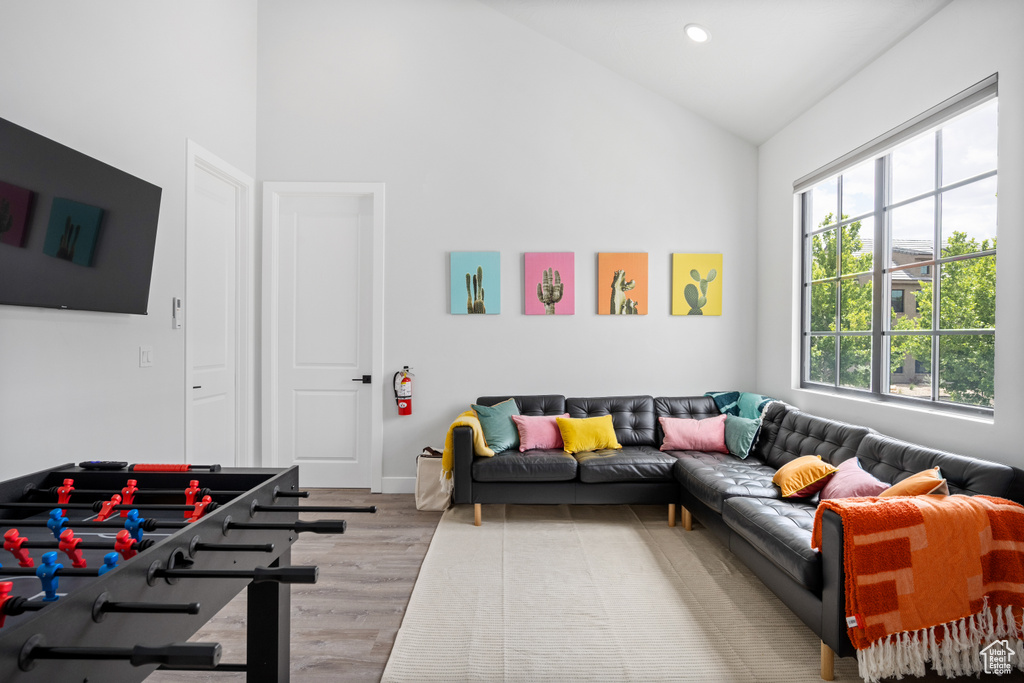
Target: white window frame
{"points": [[879, 149]]}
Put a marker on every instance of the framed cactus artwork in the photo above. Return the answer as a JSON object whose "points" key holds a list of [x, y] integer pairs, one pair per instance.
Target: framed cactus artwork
{"points": [[622, 284], [14, 209], [475, 282], [72, 231], [550, 283], [696, 284]]}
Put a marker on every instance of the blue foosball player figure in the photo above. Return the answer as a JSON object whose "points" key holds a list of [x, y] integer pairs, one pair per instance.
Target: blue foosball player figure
{"points": [[47, 573], [109, 562], [56, 522], [133, 523]]}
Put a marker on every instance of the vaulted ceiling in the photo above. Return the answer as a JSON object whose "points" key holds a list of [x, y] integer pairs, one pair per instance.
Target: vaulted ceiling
{"points": [[766, 63]]}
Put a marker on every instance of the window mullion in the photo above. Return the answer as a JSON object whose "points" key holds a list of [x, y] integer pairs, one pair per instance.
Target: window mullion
{"points": [[936, 253], [880, 293]]}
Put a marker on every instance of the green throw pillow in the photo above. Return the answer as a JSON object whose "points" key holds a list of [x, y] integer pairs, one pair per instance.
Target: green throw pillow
{"points": [[751, 405], [740, 434], [499, 430]]}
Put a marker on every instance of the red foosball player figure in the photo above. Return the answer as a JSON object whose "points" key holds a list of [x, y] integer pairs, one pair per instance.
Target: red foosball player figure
{"points": [[200, 508], [128, 494], [5, 595], [15, 544], [108, 508], [190, 495], [69, 546], [64, 493], [125, 544]]}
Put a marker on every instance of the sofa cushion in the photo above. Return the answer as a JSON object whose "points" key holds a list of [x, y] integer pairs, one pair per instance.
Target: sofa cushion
{"points": [[804, 434], [893, 460], [713, 477], [740, 434], [587, 433], [683, 434], [781, 531], [633, 416], [539, 465], [530, 404], [632, 463]]}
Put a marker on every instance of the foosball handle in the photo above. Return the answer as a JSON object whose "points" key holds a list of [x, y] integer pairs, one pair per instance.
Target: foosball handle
{"points": [[179, 655], [286, 574], [323, 526]]}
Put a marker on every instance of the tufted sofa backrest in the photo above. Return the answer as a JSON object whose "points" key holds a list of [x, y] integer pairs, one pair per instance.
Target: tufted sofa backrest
{"points": [[804, 434], [892, 460], [687, 407], [771, 422], [532, 404], [633, 416]]}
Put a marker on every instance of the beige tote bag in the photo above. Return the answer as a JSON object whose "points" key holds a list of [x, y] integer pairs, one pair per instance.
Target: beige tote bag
{"points": [[429, 494]]}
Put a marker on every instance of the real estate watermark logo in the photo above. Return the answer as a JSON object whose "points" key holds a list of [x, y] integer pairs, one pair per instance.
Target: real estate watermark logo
{"points": [[997, 657]]}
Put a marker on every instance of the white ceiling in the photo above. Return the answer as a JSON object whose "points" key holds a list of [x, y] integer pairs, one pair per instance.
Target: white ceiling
{"points": [[767, 62]]}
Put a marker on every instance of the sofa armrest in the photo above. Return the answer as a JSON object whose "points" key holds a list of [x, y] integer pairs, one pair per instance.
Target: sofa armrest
{"points": [[462, 466], [833, 587]]}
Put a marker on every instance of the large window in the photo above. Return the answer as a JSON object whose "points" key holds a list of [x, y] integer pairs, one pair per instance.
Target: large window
{"points": [[899, 261]]}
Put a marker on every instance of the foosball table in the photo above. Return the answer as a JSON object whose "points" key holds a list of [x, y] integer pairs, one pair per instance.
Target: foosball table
{"points": [[106, 573]]}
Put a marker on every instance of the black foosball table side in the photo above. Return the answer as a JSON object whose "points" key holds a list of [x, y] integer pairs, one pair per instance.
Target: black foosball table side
{"points": [[72, 620]]}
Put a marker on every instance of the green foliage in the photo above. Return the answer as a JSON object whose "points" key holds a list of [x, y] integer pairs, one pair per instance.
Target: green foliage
{"points": [[549, 290], [620, 304], [697, 302], [475, 298], [967, 301], [854, 301]]}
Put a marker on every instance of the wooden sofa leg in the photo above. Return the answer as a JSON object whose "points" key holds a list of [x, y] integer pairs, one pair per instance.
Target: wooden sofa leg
{"points": [[828, 663], [478, 513], [671, 514], [687, 519]]}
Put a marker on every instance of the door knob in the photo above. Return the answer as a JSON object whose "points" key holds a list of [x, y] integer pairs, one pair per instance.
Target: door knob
{"points": [[365, 379]]}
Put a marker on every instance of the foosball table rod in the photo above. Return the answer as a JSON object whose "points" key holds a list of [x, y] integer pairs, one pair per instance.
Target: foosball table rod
{"points": [[178, 656]]}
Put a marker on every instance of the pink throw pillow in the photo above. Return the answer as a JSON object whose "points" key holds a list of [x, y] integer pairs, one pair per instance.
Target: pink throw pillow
{"points": [[682, 434], [851, 481], [538, 431]]}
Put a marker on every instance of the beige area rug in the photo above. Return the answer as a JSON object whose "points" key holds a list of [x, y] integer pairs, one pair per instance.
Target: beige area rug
{"points": [[593, 593]]}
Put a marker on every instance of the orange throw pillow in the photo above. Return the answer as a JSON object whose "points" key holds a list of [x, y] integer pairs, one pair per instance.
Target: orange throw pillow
{"points": [[803, 477], [928, 481]]}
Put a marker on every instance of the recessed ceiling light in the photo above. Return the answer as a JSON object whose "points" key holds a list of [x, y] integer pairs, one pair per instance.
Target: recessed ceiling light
{"points": [[697, 33]]}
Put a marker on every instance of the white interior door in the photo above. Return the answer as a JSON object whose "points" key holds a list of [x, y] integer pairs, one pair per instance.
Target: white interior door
{"points": [[322, 274], [215, 305]]}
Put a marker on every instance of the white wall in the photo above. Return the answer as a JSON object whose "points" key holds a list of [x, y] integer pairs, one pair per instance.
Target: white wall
{"points": [[126, 82], [962, 44], [490, 137]]}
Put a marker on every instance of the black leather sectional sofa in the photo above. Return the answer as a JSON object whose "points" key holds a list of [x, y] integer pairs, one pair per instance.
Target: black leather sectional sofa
{"points": [[731, 497]]}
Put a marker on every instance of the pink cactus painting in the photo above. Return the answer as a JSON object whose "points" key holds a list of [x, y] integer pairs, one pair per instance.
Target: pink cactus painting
{"points": [[550, 285]]}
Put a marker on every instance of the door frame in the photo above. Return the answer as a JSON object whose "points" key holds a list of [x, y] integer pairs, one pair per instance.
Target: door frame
{"points": [[272, 194], [198, 158]]}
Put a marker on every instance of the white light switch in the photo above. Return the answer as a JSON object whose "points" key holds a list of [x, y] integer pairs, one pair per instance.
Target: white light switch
{"points": [[145, 356]]}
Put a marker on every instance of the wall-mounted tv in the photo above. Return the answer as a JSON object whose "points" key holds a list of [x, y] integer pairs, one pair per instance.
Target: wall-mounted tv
{"points": [[75, 233]]}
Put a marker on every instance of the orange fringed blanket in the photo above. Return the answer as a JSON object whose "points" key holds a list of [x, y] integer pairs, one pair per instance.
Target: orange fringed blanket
{"points": [[930, 579]]}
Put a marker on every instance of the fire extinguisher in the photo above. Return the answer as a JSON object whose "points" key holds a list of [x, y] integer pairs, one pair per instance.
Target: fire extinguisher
{"points": [[403, 390]]}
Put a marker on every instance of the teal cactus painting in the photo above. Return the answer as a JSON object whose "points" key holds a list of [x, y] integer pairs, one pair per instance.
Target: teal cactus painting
{"points": [[475, 282]]}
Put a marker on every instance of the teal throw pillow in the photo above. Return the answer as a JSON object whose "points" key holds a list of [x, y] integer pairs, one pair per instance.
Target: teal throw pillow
{"points": [[500, 431], [740, 434], [751, 405]]}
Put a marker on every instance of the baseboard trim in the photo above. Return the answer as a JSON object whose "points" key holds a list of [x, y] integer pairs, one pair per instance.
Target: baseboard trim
{"points": [[398, 485]]}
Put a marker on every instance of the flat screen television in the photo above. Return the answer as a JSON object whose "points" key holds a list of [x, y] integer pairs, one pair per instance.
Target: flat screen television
{"points": [[75, 233]]}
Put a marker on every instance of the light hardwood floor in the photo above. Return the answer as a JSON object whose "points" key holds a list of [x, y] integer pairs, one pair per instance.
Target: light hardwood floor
{"points": [[343, 627]]}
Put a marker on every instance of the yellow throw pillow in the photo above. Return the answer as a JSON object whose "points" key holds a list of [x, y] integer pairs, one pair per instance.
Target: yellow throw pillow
{"points": [[928, 481], [803, 477], [587, 433]]}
